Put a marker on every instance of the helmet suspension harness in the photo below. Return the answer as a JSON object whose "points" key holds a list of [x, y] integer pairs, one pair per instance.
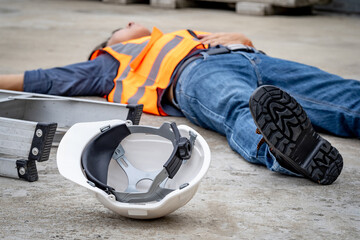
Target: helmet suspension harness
{"points": [[99, 151]]}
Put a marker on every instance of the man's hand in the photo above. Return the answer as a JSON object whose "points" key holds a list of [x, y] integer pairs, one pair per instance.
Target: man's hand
{"points": [[225, 39]]}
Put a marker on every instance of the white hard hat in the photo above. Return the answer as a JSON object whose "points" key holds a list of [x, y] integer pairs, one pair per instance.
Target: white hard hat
{"points": [[136, 171]]}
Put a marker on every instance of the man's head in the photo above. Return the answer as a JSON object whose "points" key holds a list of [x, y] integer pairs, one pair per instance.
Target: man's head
{"points": [[131, 31]]}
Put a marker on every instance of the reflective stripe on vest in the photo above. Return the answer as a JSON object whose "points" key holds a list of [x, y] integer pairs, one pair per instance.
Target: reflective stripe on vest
{"points": [[129, 49], [155, 68], [146, 67]]}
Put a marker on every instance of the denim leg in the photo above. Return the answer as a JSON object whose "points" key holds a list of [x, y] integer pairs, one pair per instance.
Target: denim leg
{"points": [[214, 93], [331, 102]]}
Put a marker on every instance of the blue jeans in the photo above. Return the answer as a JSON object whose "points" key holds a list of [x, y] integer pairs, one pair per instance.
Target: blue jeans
{"points": [[214, 93]]}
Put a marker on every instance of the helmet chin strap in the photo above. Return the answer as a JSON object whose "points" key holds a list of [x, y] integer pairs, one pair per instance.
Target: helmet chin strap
{"points": [[182, 149]]}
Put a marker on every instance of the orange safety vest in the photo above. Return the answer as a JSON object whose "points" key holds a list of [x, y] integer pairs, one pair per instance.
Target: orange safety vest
{"points": [[146, 67]]}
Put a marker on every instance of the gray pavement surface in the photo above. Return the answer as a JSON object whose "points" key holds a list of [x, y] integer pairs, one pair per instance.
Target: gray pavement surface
{"points": [[236, 200]]}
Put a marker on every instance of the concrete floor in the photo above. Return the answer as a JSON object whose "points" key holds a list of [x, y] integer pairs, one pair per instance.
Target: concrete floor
{"points": [[236, 200]]}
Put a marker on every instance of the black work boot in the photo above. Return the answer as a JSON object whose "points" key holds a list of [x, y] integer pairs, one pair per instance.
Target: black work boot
{"points": [[288, 132]]}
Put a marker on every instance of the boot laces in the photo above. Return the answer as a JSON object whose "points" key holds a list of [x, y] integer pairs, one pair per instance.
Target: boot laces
{"points": [[260, 143]]}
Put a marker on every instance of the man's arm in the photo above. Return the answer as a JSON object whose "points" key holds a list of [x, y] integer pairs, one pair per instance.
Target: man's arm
{"points": [[225, 39], [12, 82]]}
